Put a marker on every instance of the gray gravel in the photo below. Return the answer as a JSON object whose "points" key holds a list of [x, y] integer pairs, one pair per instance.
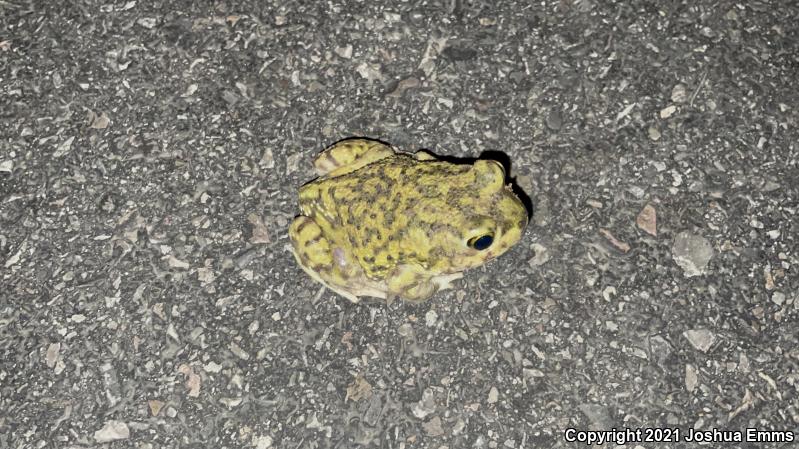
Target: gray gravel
{"points": [[150, 156]]}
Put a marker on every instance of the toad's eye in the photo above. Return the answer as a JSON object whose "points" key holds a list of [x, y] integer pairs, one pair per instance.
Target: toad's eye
{"points": [[481, 242]]}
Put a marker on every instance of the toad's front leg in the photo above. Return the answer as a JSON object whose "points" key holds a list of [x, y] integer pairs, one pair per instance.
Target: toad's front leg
{"points": [[412, 283]]}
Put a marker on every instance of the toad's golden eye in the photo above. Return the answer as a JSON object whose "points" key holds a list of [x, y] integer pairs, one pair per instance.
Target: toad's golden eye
{"points": [[481, 242]]}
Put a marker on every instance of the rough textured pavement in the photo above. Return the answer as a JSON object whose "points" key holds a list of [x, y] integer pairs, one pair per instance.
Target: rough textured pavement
{"points": [[150, 156]]}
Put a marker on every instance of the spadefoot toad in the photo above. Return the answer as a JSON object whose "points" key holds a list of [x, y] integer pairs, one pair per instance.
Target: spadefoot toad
{"points": [[387, 224]]}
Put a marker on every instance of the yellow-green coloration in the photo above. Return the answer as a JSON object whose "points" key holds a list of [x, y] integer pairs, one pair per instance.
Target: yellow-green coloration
{"points": [[381, 223]]}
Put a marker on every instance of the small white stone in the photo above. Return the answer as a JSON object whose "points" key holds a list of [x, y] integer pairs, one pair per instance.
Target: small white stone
{"points": [[532, 372], [774, 234], [370, 72], [625, 112], [268, 158], [430, 318], [608, 292], [64, 148], [692, 253], [262, 442], [668, 111], [636, 191], [678, 94], [190, 90], [405, 330], [541, 255], [174, 262], [240, 353], [676, 178], [52, 356], [691, 379], [147, 22], [701, 339], [426, 405], [493, 395], [659, 166], [345, 52], [212, 367], [654, 133], [231, 402], [170, 331], [778, 298], [112, 430], [638, 352]]}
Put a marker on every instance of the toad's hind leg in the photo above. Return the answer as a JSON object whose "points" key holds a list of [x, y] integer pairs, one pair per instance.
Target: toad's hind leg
{"points": [[313, 253], [309, 246], [349, 155]]}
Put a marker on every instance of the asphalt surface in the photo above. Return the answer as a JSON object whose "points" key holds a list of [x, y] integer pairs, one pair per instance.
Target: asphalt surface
{"points": [[150, 156]]}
